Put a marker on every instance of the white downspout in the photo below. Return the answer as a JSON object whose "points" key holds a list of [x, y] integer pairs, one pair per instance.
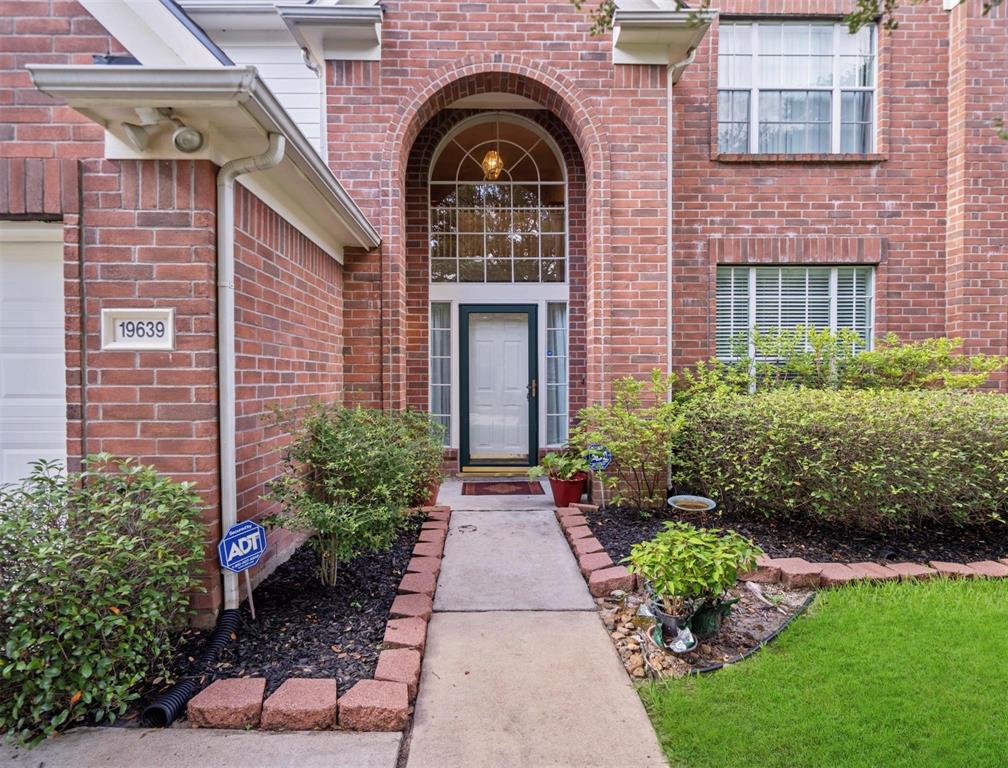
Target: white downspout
{"points": [[226, 334], [674, 73]]}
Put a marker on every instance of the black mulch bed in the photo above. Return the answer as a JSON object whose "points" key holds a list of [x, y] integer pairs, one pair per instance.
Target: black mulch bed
{"points": [[619, 529], [303, 629]]}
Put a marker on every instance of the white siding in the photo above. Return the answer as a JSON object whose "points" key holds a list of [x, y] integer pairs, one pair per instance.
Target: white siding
{"points": [[280, 65]]}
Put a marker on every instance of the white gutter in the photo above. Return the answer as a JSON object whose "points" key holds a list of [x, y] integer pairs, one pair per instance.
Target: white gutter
{"points": [[226, 334], [94, 89]]}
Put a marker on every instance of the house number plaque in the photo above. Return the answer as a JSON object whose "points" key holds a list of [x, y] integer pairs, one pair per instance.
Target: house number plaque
{"points": [[138, 329]]}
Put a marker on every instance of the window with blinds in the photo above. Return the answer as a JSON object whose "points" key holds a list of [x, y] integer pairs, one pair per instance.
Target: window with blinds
{"points": [[780, 298]]}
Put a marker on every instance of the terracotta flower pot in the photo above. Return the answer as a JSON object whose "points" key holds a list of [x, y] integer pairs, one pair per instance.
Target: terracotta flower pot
{"points": [[567, 492]]}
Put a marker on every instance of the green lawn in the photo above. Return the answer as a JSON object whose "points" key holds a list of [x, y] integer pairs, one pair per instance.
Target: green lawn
{"points": [[874, 676]]}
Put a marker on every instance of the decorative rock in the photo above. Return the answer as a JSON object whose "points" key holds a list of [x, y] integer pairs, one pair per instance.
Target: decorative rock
{"points": [[874, 572], [605, 580], [400, 665], [406, 633], [234, 702], [406, 606], [578, 532], [572, 521], [594, 561], [375, 705], [431, 565], [300, 704], [586, 546], [990, 569], [837, 574], [585, 507], [797, 572], [418, 583], [426, 549], [766, 572], [953, 570], [912, 571]]}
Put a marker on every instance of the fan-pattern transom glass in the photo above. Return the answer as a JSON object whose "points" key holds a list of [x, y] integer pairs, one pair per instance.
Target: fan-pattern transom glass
{"points": [[511, 230]]}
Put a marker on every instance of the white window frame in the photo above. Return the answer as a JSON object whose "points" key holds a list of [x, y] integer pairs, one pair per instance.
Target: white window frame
{"points": [[833, 281], [836, 89], [544, 137]]}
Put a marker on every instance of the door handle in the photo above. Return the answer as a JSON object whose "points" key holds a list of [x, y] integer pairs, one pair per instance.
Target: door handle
{"points": [[533, 389]]}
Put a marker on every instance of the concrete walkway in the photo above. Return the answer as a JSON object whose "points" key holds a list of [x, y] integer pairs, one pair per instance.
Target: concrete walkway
{"points": [[519, 670], [196, 748]]}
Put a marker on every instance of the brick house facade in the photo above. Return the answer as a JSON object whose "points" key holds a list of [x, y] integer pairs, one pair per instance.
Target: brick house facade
{"points": [[655, 213]]}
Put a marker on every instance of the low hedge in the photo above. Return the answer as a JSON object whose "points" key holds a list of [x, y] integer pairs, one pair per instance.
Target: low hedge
{"points": [[873, 459], [96, 569]]}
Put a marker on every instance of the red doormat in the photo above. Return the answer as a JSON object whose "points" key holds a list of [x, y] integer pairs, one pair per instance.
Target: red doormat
{"points": [[501, 488]]}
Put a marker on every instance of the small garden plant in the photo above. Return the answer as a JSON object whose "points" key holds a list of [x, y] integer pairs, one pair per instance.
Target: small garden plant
{"points": [[96, 569], [350, 473], [688, 569], [560, 466]]}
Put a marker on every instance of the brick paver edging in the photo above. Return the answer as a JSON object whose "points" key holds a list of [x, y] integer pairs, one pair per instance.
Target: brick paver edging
{"points": [[604, 576], [379, 704]]}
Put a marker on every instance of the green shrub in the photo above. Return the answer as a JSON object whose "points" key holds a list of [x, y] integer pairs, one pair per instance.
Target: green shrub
{"points": [[425, 437], [685, 565], [349, 475], [638, 427], [869, 458], [95, 570], [821, 359]]}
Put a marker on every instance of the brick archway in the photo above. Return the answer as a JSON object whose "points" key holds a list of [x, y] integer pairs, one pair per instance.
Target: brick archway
{"points": [[474, 75]]}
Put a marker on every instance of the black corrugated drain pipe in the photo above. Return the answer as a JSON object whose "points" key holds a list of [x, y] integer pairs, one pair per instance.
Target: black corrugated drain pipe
{"points": [[167, 707]]}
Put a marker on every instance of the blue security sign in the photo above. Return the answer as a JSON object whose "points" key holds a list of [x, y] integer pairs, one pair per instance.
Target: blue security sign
{"points": [[242, 546], [599, 457]]}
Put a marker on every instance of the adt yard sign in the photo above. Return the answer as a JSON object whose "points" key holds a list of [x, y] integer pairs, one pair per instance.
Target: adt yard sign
{"points": [[242, 546]]}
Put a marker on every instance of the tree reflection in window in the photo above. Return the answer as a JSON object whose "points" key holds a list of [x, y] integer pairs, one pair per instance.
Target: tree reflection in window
{"points": [[512, 230]]}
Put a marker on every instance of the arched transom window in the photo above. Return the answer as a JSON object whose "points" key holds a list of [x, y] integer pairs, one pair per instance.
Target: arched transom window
{"points": [[498, 211]]}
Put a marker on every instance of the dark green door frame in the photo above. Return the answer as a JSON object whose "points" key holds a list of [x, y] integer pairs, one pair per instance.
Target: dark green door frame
{"points": [[531, 312]]}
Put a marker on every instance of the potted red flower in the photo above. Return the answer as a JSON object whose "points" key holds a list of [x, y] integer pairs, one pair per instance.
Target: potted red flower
{"points": [[566, 473]]}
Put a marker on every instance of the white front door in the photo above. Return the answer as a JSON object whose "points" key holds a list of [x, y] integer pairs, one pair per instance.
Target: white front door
{"points": [[498, 387], [32, 361]]}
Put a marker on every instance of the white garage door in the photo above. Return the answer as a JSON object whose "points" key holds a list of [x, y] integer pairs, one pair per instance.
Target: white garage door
{"points": [[32, 363]]}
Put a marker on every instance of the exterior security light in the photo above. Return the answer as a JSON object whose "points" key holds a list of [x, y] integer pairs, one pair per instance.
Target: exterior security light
{"points": [[187, 139]]}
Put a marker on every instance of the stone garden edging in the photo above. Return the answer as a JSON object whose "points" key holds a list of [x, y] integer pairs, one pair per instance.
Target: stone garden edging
{"points": [[382, 703], [604, 576]]}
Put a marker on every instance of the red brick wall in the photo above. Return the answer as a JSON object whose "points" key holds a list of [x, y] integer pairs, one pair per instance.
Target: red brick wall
{"points": [[435, 53], [887, 209], [289, 349], [977, 238]]}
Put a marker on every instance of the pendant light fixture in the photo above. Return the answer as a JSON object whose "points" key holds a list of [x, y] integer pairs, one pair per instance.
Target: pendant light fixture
{"points": [[493, 163]]}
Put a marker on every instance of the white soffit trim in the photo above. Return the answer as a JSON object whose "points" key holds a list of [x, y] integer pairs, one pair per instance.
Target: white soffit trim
{"points": [[658, 36], [339, 32], [150, 32], [237, 112]]}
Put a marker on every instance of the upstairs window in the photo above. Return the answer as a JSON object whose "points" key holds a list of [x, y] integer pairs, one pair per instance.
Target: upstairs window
{"points": [[781, 298], [795, 87]]}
